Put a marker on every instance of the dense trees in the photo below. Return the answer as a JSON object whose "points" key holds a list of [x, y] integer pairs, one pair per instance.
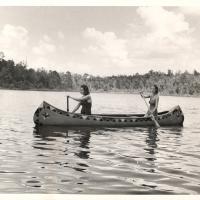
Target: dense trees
{"points": [[17, 76]]}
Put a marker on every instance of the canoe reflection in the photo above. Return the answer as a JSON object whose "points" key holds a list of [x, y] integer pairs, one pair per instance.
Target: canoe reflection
{"points": [[76, 140]]}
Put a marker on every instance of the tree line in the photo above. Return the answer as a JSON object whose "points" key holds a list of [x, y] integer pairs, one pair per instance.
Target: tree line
{"points": [[18, 76]]}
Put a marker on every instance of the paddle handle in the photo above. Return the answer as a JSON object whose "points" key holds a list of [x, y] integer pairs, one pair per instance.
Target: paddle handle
{"points": [[67, 103], [145, 101]]}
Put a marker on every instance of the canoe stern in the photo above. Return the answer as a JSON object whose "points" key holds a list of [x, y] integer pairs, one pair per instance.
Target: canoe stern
{"points": [[173, 117]]}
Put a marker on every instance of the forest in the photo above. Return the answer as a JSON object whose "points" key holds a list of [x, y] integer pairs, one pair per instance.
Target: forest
{"points": [[18, 76]]}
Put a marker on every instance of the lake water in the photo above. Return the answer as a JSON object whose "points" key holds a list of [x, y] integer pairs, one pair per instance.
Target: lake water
{"points": [[97, 160]]}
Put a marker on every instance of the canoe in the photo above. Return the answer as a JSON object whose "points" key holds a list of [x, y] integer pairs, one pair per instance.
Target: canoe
{"points": [[47, 114]]}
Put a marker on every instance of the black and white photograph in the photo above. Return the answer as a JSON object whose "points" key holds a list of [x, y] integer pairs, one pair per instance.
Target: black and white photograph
{"points": [[100, 100]]}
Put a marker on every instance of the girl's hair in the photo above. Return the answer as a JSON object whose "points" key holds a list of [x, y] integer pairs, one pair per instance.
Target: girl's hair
{"points": [[156, 89], [85, 89]]}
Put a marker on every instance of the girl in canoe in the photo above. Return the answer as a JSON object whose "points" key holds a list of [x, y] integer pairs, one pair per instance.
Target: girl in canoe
{"points": [[85, 101], [153, 102]]}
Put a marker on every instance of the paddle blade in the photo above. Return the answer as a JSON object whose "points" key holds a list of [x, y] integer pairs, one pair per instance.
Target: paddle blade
{"points": [[155, 122]]}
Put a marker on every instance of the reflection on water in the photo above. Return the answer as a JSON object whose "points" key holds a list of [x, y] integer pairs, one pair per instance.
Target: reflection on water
{"points": [[49, 133], [151, 141], [84, 139], [74, 141], [106, 161], [81, 136], [80, 150]]}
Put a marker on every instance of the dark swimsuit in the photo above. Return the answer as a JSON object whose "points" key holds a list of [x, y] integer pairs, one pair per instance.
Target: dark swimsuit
{"points": [[86, 107]]}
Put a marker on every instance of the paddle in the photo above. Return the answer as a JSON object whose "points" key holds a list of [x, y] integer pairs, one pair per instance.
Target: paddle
{"points": [[152, 116], [67, 103]]}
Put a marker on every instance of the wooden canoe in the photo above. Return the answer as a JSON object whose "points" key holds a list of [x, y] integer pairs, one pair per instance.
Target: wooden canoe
{"points": [[47, 114]]}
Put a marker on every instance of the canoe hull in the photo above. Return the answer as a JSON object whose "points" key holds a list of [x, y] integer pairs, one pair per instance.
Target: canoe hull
{"points": [[47, 114]]}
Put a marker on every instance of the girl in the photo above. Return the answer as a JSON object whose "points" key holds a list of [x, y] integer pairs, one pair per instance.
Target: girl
{"points": [[85, 101], [154, 99]]}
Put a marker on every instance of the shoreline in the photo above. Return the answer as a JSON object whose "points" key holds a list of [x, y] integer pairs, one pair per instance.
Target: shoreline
{"points": [[108, 92]]}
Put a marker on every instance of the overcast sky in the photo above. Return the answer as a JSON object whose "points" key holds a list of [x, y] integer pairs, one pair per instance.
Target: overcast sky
{"points": [[102, 40]]}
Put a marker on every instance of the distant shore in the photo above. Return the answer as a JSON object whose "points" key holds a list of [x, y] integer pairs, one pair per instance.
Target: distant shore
{"points": [[19, 77], [99, 91]]}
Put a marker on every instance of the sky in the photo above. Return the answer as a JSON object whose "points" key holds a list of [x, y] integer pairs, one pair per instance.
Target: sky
{"points": [[102, 40]]}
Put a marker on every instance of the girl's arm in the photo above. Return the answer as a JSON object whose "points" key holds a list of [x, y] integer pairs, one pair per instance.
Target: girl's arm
{"points": [[81, 98], [147, 96], [76, 108]]}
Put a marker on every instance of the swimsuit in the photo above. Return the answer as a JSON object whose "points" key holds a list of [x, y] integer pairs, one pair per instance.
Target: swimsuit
{"points": [[86, 107]]}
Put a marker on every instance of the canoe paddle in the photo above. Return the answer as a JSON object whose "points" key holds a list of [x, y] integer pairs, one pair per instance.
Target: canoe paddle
{"points": [[152, 116], [67, 103]]}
